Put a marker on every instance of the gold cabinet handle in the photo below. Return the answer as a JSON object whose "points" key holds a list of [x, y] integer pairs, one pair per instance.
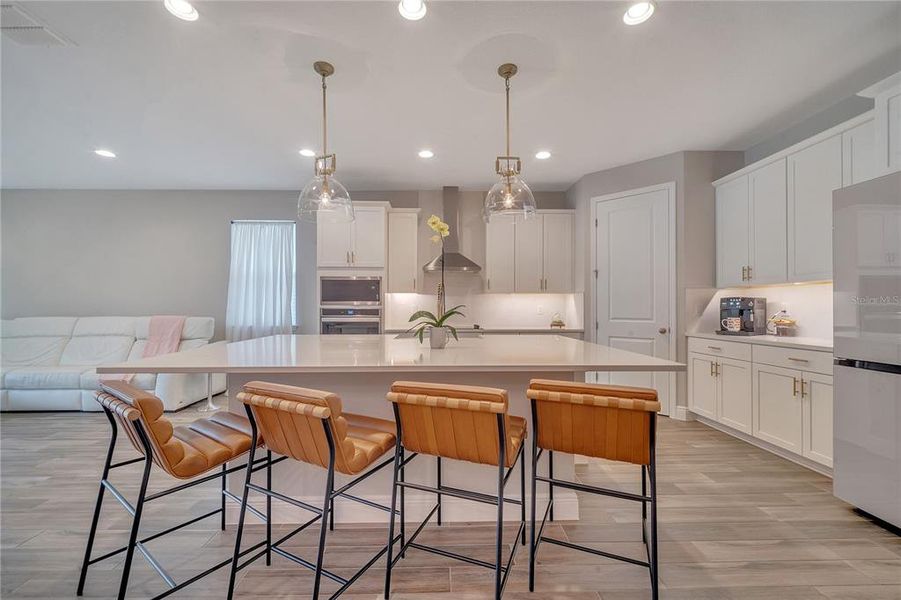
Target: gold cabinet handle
{"points": [[718, 372], [712, 374], [803, 389], [794, 386], [414, 284], [744, 273], [347, 257], [353, 257], [749, 273], [801, 360], [714, 348]]}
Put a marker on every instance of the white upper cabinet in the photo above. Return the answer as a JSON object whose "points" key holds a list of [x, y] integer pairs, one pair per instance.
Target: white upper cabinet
{"points": [[768, 233], [403, 256], [529, 261], [360, 243], [859, 153], [557, 246], [886, 97], [532, 255], [732, 233], [774, 218], [333, 244], [813, 174], [500, 238]]}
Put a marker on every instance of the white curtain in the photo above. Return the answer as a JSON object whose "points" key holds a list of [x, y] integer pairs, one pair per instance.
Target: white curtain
{"points": [[261, 279]]}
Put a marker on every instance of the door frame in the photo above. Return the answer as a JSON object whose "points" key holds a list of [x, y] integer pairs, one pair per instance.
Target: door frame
{"points": [[670, 189]]}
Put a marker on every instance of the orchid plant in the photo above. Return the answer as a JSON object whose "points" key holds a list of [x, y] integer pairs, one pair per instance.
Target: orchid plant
{"points": [[424, 319]]}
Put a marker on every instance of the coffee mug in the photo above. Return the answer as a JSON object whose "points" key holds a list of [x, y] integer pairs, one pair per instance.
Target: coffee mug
{"points": [[731, 323]]}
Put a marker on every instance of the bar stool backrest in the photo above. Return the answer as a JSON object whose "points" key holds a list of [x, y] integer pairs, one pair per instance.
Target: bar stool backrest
{"points": [[602, 421], [291, 421], [452, 421], [130, 405]]}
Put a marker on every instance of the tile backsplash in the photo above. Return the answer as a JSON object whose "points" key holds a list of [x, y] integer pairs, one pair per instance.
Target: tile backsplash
{"points": [[490, 311]]}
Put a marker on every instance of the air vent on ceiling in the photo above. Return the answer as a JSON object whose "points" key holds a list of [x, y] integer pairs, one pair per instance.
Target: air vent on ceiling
{"points": [[20, 27]]}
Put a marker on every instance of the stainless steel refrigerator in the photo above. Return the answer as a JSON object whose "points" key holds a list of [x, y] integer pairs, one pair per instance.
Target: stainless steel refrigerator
{"points": [[867, 322]]}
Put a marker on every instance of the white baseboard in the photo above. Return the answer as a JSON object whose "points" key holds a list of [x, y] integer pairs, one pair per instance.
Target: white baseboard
{"points": [[566, 508], [683, 414]]}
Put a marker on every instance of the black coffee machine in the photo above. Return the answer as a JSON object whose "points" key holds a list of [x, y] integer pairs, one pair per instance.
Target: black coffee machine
{"points": [[749, 312]]}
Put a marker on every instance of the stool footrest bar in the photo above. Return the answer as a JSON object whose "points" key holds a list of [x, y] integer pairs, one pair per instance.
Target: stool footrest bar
{"points": [[305, 563], [283, 498], [454, 555], [581, 487], [620, 557]]}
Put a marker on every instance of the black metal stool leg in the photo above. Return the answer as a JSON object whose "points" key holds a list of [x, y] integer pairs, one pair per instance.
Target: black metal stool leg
{"points": [[93, 531], [550, 474], [397, 460], [243, 512], [439, 487], [499, 542], [136, 524], [403, 503], [534, 502], [652, 477], [644, 505], [522, 495], [222, 499], [268, 508], [326, 510]]}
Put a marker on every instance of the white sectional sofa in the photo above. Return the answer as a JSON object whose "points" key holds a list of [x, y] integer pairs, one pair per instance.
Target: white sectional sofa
{"points": [[47, 363]]}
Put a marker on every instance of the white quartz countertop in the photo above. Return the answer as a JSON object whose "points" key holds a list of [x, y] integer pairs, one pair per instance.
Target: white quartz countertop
{"points": [[798, 343], [511, 330], [379, 353]]}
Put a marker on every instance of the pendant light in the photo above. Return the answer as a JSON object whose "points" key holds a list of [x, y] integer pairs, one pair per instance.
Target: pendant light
{"points": [[510, 195], [324, 198]]}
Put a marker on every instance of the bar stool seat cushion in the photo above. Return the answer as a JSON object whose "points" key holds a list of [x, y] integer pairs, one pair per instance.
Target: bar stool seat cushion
{"points": [[184, 451], [371, 438]]}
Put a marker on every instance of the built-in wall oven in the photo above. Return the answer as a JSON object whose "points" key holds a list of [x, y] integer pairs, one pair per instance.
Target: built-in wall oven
{"points": [[350, 305]]}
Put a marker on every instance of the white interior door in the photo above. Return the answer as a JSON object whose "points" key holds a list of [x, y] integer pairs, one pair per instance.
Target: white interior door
{"points": [[634, 284]]}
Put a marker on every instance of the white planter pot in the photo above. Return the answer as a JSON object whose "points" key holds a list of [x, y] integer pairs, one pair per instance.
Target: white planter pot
{"points": [[437, 337]]}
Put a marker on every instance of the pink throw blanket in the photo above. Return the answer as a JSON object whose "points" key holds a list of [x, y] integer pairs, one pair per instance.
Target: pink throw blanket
{"points": [[163, 337]]}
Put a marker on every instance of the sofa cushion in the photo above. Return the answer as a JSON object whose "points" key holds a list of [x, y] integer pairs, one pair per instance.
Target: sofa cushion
{"points": [[90, 380], [43, 378], [34, 351], [43, 400], [37, 327], [91, 326], [93, 350], [196, 328], [137, 350]]}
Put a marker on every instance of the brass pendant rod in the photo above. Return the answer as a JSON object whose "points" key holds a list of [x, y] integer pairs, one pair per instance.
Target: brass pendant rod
{"points": [[507, 86], [324, 125]]}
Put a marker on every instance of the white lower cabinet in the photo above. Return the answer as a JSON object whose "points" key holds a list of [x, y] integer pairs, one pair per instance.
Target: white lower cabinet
{"points": [[721, 390], [734, 393], [702, 383], [817, 398], [778, 395], [778, 414]]}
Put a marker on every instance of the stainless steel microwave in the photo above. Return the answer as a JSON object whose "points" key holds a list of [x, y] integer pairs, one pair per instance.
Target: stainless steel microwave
{"points": [[350, 291]]}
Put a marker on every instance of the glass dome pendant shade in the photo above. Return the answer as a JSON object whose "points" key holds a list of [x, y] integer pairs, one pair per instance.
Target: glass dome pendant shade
{"points": [[324, 198], [510, 195]]}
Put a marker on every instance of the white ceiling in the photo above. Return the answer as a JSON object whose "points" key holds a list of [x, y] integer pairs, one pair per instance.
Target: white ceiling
{"points": [[227, 101]]}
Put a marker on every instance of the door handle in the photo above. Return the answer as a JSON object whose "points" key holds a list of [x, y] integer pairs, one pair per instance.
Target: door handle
{"points": [[347, 257], [353, 257], [749, 273], [803, 389], [663, 331], [711, 369], [744, 273], [716, 371], [794, 386]]}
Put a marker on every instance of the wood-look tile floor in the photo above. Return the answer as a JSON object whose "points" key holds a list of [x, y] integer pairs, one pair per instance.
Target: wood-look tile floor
{"points": [[736, 523]]}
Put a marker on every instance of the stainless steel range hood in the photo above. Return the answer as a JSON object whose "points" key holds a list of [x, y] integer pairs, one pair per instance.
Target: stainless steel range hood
{"points": [[453, 260]]}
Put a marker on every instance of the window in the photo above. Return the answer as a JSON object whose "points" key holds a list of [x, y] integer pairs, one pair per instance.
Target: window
{"points": [[262, 280]]}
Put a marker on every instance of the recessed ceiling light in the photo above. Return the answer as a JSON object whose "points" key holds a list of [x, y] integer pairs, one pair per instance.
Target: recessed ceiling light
{"points": [[412, 10], [182, 9], [105, 153], [307, 152], [542, 155], [426, 154], [639, 12]]}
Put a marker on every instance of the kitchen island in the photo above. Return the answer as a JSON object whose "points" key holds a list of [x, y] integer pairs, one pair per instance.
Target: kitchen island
{"points": [[361, 368]]}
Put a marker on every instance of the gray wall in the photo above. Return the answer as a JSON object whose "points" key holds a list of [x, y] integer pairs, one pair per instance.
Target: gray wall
{"points": [[88, 252], [692, 173]]}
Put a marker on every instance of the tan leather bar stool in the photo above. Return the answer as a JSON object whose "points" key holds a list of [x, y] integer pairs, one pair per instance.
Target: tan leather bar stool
{"points": [[602, 421], [310, 426], [183, 452], [461, 423]]}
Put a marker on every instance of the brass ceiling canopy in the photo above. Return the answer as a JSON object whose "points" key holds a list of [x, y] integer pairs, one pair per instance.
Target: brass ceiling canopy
{"points": [[507, 70], [324, 68]]}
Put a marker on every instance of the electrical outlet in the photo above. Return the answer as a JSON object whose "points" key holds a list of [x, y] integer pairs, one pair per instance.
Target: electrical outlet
{"points": [[540, 310]]}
